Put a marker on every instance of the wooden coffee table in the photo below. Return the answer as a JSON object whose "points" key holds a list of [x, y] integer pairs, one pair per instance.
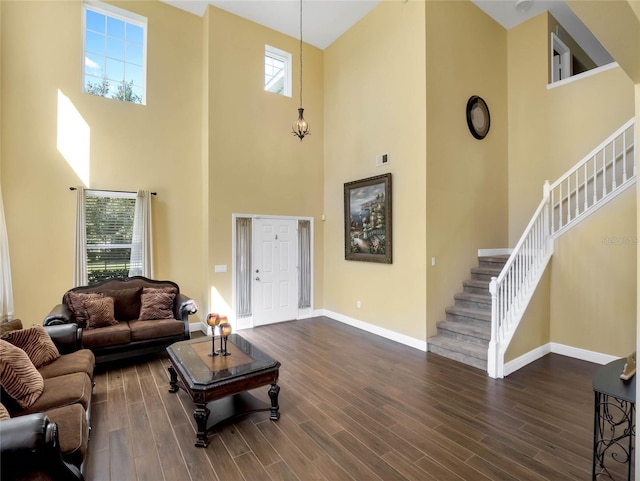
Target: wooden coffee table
{"points": [[217, 385]]}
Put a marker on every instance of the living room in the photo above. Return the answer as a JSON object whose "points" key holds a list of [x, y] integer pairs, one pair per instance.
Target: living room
{"points": [[212, 143]]}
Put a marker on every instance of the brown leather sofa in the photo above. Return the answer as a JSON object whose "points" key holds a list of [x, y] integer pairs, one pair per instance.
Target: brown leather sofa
{"points": [[49, 439], [130, 333]]}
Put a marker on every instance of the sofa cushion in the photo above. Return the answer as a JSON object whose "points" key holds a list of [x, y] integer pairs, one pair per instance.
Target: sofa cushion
{"points": [[19, 377], [157, 303], [106, 336], [8, 326], [36, 342], [63, 391], [126, 302], [4, 414], [142, 330], [75, 301], [100, 312], [72, 431], [82, 360]]}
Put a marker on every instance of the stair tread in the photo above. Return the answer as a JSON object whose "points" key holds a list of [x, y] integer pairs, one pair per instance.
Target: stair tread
{"points": [[497, 259], [467, 312], [459, 346], [479, 332], [476, 283], [486, 270]]}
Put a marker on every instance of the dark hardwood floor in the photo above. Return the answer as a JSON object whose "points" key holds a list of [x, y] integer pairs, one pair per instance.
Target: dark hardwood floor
{"points": [[353, 406]]}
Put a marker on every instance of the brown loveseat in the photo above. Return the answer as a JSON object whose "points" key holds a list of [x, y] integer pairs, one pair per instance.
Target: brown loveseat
{"points": [[127, 317], [45, 428]]}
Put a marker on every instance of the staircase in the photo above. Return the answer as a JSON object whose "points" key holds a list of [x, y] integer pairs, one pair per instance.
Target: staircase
{"points": [[465, 333], [486, 315]]}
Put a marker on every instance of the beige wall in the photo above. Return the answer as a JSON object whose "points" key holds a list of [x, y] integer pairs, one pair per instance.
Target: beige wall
{"points": [[527, 60], [255, 164], [156, 146], [534, 329], [593, 303], [548, 134], [212, 143], [466, 177], [375, 103]]}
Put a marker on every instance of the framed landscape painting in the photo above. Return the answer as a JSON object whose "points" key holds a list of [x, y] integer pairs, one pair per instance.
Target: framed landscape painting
{"points": [[367, 219]]}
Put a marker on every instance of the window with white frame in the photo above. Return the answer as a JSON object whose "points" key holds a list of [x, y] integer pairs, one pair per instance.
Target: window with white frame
{"points": [[277, 71], [109, 227], [115, 52]]}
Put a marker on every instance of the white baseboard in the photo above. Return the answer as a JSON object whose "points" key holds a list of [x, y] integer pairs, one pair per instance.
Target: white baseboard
{"points": [[563, 350], [198, 326], [373, 329], [582, 354], [528, 358]]}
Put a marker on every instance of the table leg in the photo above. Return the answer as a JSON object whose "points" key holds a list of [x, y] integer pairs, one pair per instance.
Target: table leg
{"points": [[173, 383], [201, 415], [274, 390]]}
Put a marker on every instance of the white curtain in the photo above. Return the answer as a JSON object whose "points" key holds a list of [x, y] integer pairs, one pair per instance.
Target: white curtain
{"points": [[80, 253], [304, 263], [6, 290], [141, 262], [243, 266]]}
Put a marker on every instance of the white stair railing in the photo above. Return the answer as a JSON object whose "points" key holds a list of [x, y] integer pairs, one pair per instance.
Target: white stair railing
{"points": [[604, 173]]}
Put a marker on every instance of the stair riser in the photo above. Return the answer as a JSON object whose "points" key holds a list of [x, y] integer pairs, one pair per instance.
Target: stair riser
{"points": [[482, 306], [492, 265], [456, 356], [468, 318], [481, 276], [475, 290], [463, 337]]}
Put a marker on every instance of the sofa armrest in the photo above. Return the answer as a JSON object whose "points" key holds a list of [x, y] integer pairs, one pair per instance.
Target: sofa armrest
{"points": [[185, 307], [66, 337], [30, 445], [28, 433], [61, 314]]}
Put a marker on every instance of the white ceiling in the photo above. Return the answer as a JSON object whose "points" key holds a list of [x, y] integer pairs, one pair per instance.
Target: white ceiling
{"points": [[323, 21], [326, 20]]}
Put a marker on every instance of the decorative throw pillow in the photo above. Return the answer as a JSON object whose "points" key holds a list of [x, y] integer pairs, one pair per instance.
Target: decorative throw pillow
{"points": [[99, 312], [36, 342], [4, 414], [157, 303], [8, 326], [75, 300], [19, 377], [126, 302]]}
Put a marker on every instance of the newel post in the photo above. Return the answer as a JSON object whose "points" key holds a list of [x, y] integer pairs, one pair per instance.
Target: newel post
{"points": [[492, 353]]}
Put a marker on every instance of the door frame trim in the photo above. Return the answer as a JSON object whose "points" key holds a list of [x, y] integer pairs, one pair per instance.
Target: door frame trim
{"points": [[247, 322]]}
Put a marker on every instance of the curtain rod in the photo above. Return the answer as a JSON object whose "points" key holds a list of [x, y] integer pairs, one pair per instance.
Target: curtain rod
{"points": [[118, 191]]}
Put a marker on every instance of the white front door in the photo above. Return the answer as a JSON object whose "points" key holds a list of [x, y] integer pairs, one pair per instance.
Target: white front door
{"points": [[275, 274]]}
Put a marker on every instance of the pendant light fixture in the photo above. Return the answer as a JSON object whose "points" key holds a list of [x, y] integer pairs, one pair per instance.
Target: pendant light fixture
{"points": [[300, 127]]}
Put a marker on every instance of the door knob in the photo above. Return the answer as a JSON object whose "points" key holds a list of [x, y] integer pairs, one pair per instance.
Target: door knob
{"points": [[257, 278]]}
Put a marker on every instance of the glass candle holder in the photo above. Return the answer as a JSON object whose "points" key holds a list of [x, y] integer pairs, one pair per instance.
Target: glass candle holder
{"points": [[225, 331], [213, 320]]}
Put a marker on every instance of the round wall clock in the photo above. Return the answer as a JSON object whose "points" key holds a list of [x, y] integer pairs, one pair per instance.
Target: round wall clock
{"points": [[478, 118]]}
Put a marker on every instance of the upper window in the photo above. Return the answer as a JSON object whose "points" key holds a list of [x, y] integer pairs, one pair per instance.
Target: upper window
{"points": [[277, 71], [115, 53]]}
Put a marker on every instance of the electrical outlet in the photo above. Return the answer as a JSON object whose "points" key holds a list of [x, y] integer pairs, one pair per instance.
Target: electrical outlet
{"points": [[358, 304]]}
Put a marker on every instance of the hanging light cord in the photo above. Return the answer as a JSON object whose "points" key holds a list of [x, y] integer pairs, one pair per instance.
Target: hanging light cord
{"points": [[300, 53]]}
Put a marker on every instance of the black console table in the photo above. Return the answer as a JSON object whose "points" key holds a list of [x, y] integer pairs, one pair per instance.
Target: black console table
{"points": [[614, 429]]}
